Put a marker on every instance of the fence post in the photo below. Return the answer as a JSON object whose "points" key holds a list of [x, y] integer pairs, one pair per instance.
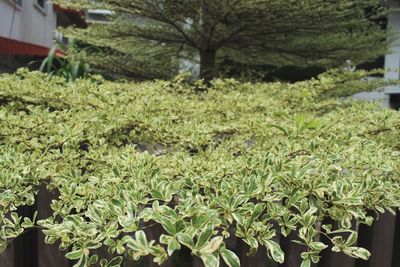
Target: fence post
{"points": [[292, 250], [330, 258], [7, 257], [379, 240], [25, 246], [153, 233], [396, 245], [260, 259], [47, 255]]}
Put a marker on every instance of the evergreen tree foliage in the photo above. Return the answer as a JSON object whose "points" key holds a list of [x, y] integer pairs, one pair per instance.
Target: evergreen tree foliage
{"points": [[146, 37]]}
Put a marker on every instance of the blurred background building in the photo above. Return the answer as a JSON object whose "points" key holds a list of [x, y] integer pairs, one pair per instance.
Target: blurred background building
{"points": [[28, 29]]}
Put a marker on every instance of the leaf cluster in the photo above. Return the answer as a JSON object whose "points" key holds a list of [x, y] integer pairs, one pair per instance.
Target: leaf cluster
{"points": [[251, 161], [64, 66]]}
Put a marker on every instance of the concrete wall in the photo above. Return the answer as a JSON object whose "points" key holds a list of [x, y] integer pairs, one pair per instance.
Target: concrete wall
{"points": [[28, 23], [392, 64], [392, 59]]}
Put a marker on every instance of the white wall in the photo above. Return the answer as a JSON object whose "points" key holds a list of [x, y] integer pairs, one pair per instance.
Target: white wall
{"points": [[31, 24], [392, 60]]}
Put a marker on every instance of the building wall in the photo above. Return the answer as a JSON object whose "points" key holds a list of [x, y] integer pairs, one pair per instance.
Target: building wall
{"points": [[28, 23]]}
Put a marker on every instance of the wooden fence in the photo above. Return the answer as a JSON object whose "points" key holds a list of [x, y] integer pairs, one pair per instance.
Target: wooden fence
{"points": [[382, 240]]}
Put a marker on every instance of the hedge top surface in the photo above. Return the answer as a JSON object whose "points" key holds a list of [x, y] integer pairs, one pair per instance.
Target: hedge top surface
{"points": [[249, 160]]}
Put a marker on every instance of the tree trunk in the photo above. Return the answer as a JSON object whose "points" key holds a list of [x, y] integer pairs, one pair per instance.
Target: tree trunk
{"points": [[207, 65]]}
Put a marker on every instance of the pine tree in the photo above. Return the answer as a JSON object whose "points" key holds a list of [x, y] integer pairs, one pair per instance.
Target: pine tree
{"points": [[147, 35]]}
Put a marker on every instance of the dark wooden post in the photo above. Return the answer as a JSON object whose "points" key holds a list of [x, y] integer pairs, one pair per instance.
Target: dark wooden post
{"points": [[47, 255], [292, 250], [153, 233], [379, 240], [396, 245], [7, 257], [260, 259], [196, 262], [25, 246], [330, 258]]}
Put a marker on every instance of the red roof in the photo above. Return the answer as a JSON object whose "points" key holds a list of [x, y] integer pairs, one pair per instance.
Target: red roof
{"points": [[15, 47]]}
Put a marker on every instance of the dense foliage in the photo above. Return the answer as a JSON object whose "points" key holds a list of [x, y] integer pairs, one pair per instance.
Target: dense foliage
{"points": [[65, 65], [247, 160], [144, 37]]}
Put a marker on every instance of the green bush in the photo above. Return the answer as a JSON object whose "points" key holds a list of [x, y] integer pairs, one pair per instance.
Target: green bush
{"points": [[65, 66], [250, 160]]}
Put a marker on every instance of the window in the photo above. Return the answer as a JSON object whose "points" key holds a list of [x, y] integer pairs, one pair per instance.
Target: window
{"points": [[40, 3], [40, 6], [98, 15], [17, 2]]}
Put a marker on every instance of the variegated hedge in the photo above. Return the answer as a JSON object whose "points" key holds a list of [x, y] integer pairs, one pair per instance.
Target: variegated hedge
{"points": [[249, 160]]}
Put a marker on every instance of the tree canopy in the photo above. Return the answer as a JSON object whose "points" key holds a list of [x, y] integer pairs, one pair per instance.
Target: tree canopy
{"points": [[147, 35]]}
